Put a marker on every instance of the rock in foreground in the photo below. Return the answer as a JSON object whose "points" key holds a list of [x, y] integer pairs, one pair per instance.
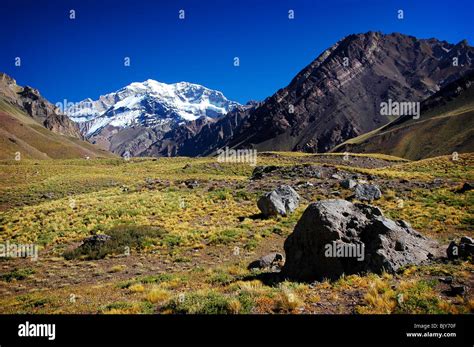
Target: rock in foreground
{"points": [[283, 201], [335, 237]]}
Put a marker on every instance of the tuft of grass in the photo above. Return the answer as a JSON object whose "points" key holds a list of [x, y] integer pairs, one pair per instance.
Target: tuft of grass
{"points": [[117, 268], [158, 295], [287, 301], [201, 302], [137, 288], [17, 275]]}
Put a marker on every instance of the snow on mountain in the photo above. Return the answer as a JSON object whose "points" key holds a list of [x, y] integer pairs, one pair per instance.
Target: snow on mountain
{"points": [[148, 104]]}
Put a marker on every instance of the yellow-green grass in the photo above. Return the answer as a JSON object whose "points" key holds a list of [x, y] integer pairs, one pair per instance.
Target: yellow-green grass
{"points": [[461, 169], [232, 289], [89, 198], [187, 218]]}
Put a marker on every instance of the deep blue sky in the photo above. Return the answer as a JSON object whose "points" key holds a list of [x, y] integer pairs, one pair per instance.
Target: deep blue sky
{"points": [[80, 58]]}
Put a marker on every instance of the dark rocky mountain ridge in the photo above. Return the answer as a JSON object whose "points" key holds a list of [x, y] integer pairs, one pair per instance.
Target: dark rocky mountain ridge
{"points": [[338, 95]]}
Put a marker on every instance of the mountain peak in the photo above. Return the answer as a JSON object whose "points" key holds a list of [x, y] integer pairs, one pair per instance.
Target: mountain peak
{"points": [[150, 103], [338, 95]]}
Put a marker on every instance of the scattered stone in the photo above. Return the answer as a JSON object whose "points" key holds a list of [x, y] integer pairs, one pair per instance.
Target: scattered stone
{"points": [[260, 171], [307, 170], [283, 201], [336, 176], [348, 184], [367, 192], [462, 250], [191, 184], [370, 242], [467, 186], [447, 280], [306, 185], [437, 181], [457, 290], [272, 261], [48, 195]]}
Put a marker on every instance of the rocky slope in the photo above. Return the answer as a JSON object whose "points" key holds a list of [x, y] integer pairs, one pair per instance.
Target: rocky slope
{"points": [[446, 125], [32, 128], [37, 107], [338, 95]]}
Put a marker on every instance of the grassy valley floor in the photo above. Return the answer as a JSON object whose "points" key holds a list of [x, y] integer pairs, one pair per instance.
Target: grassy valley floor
{"points": [[186, 229]]}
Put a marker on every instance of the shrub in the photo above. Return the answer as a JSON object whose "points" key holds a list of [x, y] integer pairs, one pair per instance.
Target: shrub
{"points": [[157, 295], [201, 303], [17, 274], [121, 238]]}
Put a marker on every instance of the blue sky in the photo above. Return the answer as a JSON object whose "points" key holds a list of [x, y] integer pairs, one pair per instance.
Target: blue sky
{"points": [[75, 59]]}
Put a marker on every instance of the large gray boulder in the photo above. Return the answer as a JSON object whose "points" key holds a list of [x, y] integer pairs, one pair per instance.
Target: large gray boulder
{"points": [[281, 201], [335, 237], [367, 192]]}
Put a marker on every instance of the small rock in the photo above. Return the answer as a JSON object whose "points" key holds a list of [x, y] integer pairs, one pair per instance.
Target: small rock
{"points": [[348, 184], [336, 176], [191, 184], [306, 184], [272, 261], [452, 251], [457, 290], [367, 192], [283, 201], [48, 195], [447, 280], [260, 171], [463, 250], [467, 186]]}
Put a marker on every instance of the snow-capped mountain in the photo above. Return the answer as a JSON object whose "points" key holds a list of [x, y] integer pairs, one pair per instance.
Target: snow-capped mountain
{"points": [[149, 104]]}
